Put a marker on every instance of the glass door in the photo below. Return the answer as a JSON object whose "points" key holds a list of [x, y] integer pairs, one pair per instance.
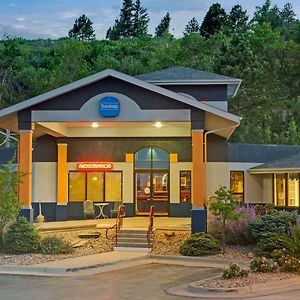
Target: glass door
{"points": [[152, 188]]}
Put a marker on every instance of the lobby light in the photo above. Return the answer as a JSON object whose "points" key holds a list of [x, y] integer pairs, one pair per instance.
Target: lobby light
{"points": [[95, 125], [158, 124]]}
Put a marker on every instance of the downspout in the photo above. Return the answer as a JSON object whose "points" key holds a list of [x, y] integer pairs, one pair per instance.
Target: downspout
{"points": [[205, 152]]}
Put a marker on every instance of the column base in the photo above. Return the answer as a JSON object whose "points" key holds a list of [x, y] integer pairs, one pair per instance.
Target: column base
{"points": [[61, 213], [198, 219], [27, 213]]}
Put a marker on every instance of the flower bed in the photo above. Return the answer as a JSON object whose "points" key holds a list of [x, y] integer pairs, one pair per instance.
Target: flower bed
{"points": [[251, 279]]}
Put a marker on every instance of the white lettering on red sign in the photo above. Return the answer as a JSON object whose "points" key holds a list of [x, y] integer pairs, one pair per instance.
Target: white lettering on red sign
{"points": [[94, 166]]}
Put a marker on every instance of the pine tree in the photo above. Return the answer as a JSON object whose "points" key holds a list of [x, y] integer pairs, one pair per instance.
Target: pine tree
{"points": [[214, 19], [192, 26], [140, 20], [238, 18], [123, 26], [82, 29], [163, 26]]}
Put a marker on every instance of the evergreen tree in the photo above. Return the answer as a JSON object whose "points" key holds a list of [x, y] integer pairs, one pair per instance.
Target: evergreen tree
{"points": [[238, 18], [287, 16], [214, 20], [163, 26], [140, 20], [82, 29], [267, 14], [192, 26], [124, 25]]}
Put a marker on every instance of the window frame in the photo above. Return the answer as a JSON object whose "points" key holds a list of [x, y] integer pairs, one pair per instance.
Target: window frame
{"points": [[180, 171], [233, 193]]}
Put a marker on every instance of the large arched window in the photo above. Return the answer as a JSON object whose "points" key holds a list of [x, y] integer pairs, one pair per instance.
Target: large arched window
{"points": [[151, 158]]}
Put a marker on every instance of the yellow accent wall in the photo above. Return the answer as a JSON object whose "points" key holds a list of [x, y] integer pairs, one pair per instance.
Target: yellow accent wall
{"points": [[25, 168], [62, 174], [198, 170], [129, 157], [173, 157]]}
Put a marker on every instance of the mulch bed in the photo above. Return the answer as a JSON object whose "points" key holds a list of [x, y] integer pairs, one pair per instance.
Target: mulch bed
{"points": [[92, 246]]}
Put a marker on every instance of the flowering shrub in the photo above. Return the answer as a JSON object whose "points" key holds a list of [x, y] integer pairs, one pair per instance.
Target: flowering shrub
{"points": [[286, 262], [233, 271], [236, 230], [263, 265]]}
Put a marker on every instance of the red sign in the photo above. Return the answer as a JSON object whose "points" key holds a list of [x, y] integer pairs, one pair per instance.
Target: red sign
{"points": [[94, 166]]}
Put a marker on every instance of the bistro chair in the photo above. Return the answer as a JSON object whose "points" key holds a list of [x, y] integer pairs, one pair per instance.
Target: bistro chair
{"points": [[115, 209], [88, 209]]}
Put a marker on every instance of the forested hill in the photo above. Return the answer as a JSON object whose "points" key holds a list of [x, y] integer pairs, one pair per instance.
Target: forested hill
{"points": [[265, 56]]}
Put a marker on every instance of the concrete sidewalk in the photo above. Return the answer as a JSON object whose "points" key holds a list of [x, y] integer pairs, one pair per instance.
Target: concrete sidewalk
{"points": [[137, 222]]}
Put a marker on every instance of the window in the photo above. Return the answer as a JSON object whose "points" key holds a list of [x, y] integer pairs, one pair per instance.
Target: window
{"points": [[113, 186], [185, 186], [237, 185], [77, 183], [286, 189], [293, 189], [151, 158], [95, 186]]}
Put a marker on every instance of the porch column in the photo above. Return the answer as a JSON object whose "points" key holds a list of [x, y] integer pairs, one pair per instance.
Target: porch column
{"points": [[25, 170], [198, 189], [62, 183]]}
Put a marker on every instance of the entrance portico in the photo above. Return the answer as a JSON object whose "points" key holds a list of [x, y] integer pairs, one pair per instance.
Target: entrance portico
{"points": [[108, 118]]}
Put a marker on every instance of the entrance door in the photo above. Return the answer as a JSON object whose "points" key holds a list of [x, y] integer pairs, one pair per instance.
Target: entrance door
{"points": [[152, 188]]}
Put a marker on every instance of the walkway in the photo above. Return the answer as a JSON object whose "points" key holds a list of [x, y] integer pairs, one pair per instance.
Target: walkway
{"points": [[131, 222]]}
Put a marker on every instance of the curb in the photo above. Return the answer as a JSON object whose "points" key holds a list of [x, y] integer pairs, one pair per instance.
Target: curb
{"points": [[262, 289], [49, 271], [197, 261]]}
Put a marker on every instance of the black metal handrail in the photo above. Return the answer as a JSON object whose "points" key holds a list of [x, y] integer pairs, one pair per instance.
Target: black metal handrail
{"points": [[150, 224]]}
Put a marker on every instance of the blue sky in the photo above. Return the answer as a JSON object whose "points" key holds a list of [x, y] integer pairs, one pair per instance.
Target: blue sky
{"points": [[54, 18]]}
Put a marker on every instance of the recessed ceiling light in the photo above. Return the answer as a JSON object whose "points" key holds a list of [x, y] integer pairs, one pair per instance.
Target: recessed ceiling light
{"points": [[95, 125], [158, 124]]}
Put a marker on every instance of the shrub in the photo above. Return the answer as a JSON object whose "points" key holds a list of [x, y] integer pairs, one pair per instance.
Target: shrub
{"points": [[273, 241], [9, 205], [280, 221], [55, 245], [21, 237], [235, 232], [286, 262], [263, 265], [233, 271], [223, 206], [200, 244]]}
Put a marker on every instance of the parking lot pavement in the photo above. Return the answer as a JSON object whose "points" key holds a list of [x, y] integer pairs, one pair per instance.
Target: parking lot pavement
{"points": [[144, 282]]}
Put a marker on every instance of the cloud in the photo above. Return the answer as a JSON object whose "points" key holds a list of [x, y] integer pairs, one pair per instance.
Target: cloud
{"points": [[68, 15]]}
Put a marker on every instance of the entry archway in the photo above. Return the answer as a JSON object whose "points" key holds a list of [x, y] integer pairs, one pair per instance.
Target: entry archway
{"points": [[152, 181]]}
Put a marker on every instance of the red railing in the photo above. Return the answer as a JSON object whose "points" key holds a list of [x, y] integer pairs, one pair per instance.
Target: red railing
{"points": [[119, 222], [150, 225]]}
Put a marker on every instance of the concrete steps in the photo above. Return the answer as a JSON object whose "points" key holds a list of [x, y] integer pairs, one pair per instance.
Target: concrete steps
{"points": [[133, 240]]}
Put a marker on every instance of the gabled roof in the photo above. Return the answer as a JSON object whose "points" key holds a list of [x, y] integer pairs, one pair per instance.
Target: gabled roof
{"points": [[215, 118], [260, 153], [182, 75], [288, 164], [107, 73]]}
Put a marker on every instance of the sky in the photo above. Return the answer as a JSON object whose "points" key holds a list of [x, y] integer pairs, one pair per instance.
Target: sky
{"points": [[53, 19]]}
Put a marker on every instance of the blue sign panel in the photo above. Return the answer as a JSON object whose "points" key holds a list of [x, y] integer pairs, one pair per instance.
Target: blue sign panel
{"points": [[109, 107]]}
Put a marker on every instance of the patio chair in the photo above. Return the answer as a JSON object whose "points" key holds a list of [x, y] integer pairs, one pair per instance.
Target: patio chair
{"points": [[115, 209], [88, 209]]}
